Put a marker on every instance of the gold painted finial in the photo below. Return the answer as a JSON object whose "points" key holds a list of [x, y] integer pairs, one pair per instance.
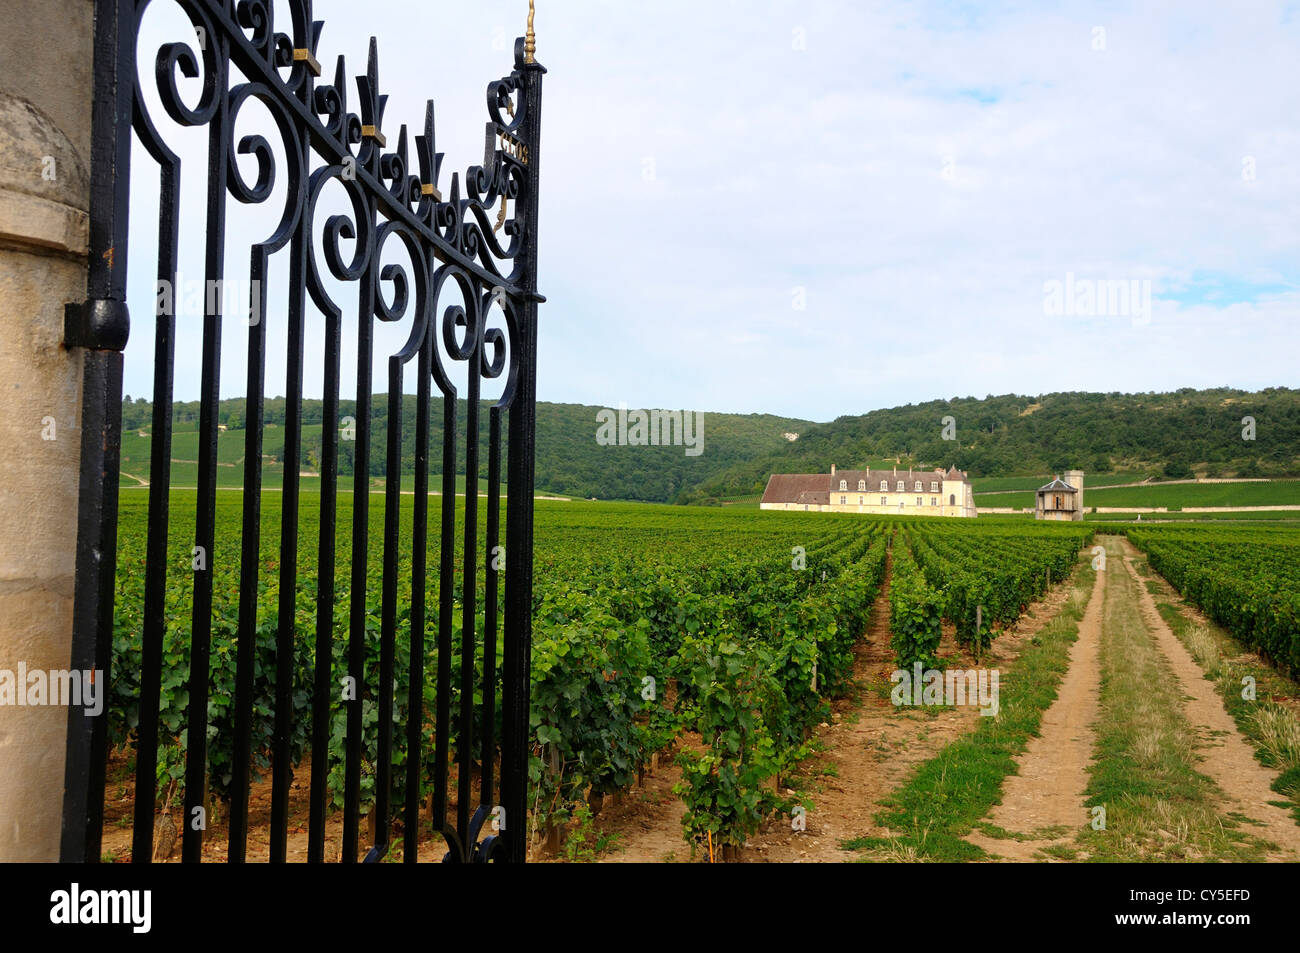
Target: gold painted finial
{"points": [[530, 40]]}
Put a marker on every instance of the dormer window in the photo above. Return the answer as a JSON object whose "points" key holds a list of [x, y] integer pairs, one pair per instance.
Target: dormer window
{"points": [[884, 486], [844, 484], [934, 486], [901, 485], [918, 486], [862, 485]]}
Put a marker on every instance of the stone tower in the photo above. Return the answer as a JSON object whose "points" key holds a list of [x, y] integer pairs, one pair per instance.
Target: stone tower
{"points": [[1075, 479]]}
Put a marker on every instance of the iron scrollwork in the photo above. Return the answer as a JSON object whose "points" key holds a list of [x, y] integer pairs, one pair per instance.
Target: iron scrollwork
{"points": [[479, 237]]}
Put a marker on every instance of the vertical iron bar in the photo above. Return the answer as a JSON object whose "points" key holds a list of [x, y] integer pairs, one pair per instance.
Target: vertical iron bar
{"points": [[388, 607], [517, 663], [469, 581], [286, 613], [92, 644], [419, 561], [321, 690], [196, 751], [250, 545], [360, 547], [156, 564], [490, 605], [446, 606], [101, 421]]}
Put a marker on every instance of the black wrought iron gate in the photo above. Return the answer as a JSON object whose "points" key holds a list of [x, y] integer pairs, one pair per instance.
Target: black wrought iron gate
{"points": [[477, 235]]}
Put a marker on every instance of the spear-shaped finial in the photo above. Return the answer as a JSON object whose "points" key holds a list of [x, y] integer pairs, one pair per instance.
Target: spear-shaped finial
{"points": [[530, 39]]}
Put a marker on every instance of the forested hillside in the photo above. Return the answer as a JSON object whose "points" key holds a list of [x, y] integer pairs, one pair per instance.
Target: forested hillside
{"points": [[1171, 435], [570, 461]]}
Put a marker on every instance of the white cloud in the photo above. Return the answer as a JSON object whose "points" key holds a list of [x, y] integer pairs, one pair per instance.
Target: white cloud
{"points": [[823, 168]]}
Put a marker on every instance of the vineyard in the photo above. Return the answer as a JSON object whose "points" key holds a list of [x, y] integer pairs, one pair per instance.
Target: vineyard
{"points": [[1245, 578], [720, 636]]}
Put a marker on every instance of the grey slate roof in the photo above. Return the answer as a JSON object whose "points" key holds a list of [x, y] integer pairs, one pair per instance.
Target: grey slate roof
{"points": [[815, 488], [1057, 485]]}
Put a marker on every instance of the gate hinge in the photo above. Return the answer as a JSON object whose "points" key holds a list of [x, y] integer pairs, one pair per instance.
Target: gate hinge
{"points": [[101, 324]]}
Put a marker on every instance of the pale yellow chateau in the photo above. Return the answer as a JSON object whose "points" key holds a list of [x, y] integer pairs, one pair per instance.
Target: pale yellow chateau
{"points": [[893, 492]]}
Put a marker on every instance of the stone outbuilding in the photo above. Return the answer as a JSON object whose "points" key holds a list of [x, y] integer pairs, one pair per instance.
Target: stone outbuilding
{"points": [[1061, 499]]}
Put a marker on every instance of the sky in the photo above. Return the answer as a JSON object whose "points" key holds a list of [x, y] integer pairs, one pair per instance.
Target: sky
{"points": [[822, 208]]}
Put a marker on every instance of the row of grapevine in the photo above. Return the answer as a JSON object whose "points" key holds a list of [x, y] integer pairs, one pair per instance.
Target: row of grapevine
{"points": [[752, 641], [1246, 579], [758, 696], [915, 611], [984, 577]]}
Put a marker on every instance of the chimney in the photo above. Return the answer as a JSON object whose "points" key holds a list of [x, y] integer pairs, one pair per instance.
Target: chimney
{"points": [[832, 469]]}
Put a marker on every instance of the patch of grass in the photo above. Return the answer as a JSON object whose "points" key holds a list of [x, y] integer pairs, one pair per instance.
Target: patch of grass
{"points": [[889, 851], [1279, 734], [1268, 493], [1061, 852], [1000, 833], [879, 686], [951, 793]]}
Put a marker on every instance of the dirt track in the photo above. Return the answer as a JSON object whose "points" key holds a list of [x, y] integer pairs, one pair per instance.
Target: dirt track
{"points": [[1045, 800]]}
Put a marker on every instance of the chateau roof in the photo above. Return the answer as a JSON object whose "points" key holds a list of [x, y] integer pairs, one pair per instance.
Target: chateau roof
{"points": [[816, 488], [798, 488]]}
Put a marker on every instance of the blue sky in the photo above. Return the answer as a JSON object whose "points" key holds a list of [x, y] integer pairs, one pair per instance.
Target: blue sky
{"points": [[820, 208]]}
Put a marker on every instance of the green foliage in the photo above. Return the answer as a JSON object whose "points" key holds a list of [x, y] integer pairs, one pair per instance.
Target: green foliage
{"points": [[584, 843], [569, 461], [753, 640], [726, 788], [989, 572], [1244, 578], [586, 699], [915, 613], [1014, 434]]}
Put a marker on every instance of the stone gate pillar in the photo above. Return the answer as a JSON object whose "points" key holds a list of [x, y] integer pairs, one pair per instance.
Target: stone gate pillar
{"points": [[45, 110]]}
